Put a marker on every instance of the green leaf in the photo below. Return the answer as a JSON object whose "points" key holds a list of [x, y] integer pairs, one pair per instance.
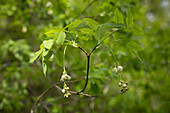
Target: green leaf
{"points": [[54, 32], [44, 65], [92, 23], [74, 24], [61, 38], [36, 56], [47, 54], [91, 43], [100, 32], [118, 17], [135, 46], [112, 25], [48, 43], [138, 29], [129, 19], [59, 57], [85, 30], [133, 51], [94, 88]]}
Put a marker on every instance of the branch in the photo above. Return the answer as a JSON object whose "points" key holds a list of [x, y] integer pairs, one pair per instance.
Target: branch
{"points": [[101, 42], [39, 97], [75, 93], [87, 95], [88, 60], [83, 50], [88, 66], [72, 92], [50, 88]]}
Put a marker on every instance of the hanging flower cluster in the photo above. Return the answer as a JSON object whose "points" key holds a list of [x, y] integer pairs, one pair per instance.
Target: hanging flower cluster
{"points": [[121, 83], [65, 90], [117, 69], [124, 86], [65, 77]]}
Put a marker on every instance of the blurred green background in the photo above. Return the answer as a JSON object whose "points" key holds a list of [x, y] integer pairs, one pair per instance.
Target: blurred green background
{"points": [[22, 27]]}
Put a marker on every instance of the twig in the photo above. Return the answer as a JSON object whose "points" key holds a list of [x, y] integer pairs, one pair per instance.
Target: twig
{"points": [[39, 97], [88, 60], [83, 50], [101, 42], [87, 95], [88, 66], [72, 92], [47, 90]]}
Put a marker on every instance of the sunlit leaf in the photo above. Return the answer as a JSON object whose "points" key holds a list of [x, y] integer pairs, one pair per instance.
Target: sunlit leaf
{"points": [[61, 38], [118, 17], [92, 23], [48, 43], [53, 32], [36, 56], [129, 19], [44, 65], [59, 58], [74, 24]]}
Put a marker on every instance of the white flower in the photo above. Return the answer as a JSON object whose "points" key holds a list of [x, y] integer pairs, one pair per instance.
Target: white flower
{"points": [[67, 88], [115, 29], [124, 85], [24, 29], [120, 68], [48, 4], [38, 0], [69, 94], [115, 70], [65, 77], [69, 77], [63, 90], [50, 12]]}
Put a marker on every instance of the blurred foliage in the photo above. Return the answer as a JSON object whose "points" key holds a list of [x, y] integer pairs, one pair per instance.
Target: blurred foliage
{"points": [[22, 27]]}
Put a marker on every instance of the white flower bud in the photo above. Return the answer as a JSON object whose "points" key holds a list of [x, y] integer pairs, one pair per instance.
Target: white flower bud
{"points": [[67, 88], [124, 85], [69, 94], [120, 68], [24, 29], [50, 12], [69, 77], [48, 4], [120, 84], [115, 70], [65, 77], [63, 90], [66, 95]]}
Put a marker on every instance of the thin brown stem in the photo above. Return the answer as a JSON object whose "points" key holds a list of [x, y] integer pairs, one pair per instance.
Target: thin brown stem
{"points": [[39, 98], [88, 67], [83, 50], [88, 60], [50, 88]]}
